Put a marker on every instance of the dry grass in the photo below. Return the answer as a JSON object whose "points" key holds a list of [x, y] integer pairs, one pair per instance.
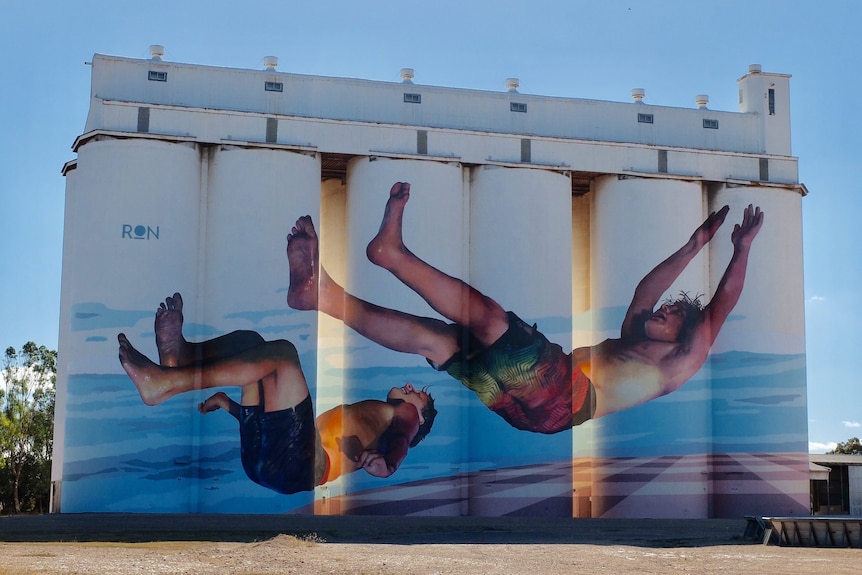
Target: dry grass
{"points": [[378, 546], [286, 554]]}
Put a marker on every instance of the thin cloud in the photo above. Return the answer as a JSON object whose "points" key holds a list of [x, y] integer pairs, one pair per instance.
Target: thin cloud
{"points": [[817, 447], [851, 424], [816, 298]]}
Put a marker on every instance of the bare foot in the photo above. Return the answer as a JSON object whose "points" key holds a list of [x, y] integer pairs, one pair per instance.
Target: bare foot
{"points": [[214, 402], [169, 330], [303, 257], [388, 245], [146, 375]]}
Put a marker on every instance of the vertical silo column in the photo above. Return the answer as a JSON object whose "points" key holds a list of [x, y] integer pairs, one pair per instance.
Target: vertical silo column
{"points": [[331, 331], [131, 239], [434, 228], [582, 336], [651, 459], [760, 408], [521, 256], [521, 244], [253, 197], [64, 341], [333, 257]]}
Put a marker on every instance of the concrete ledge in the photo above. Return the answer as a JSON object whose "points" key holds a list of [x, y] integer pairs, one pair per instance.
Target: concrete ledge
{"points": [[654, 533]]}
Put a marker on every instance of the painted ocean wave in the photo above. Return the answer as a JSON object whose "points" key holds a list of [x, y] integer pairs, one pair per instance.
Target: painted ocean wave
{"points": [[123, 455]]}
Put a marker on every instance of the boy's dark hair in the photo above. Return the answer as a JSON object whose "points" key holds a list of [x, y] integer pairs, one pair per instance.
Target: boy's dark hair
{"points": [[693, 314], [428, 414]]}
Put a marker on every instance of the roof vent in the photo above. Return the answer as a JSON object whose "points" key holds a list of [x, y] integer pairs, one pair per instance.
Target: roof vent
{"points": [[638, 95], [270, 62], [512, 85], [407, 75], [754, 69], [702, 100], [157, 51]]}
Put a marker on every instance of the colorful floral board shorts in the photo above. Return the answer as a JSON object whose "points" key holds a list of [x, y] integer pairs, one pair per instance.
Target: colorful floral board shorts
{"points": [[526, 380]]}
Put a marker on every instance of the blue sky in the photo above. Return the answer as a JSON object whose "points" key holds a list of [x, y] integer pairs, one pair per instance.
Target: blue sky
{"points": [[582, 49]]}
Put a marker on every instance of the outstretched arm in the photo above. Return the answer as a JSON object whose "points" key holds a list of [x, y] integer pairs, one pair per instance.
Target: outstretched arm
{"points": [[656, 283], [730, 286]]}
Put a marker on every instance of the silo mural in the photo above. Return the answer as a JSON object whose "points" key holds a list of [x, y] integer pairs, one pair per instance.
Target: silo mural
{"points": [[632, 236], [757, 366], [277, 327], [154, 450], [453, 358]]}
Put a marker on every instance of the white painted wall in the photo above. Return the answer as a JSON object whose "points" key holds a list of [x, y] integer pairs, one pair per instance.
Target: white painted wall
{"points": [[770, 313], [637, 223], [773, 124], [194, 88], [252, 199], [520, 245]]}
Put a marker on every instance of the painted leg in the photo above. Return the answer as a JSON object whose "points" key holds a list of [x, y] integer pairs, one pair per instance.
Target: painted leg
{"points": [[312, 288], [449, 296], [275, 362], [176, 351]]}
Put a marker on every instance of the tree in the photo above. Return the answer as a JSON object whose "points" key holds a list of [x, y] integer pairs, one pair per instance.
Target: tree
{"points": [[27, 423], [850, 447]]}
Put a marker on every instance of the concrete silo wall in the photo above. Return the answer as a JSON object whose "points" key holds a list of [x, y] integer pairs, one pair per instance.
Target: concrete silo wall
{"points": [[148, 218]]}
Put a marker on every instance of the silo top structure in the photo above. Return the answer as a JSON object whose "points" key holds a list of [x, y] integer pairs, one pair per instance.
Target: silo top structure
{"points": [[226, 104]]}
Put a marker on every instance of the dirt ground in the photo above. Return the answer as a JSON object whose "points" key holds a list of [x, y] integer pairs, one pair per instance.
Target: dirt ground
{"points": [[248, 545]]}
